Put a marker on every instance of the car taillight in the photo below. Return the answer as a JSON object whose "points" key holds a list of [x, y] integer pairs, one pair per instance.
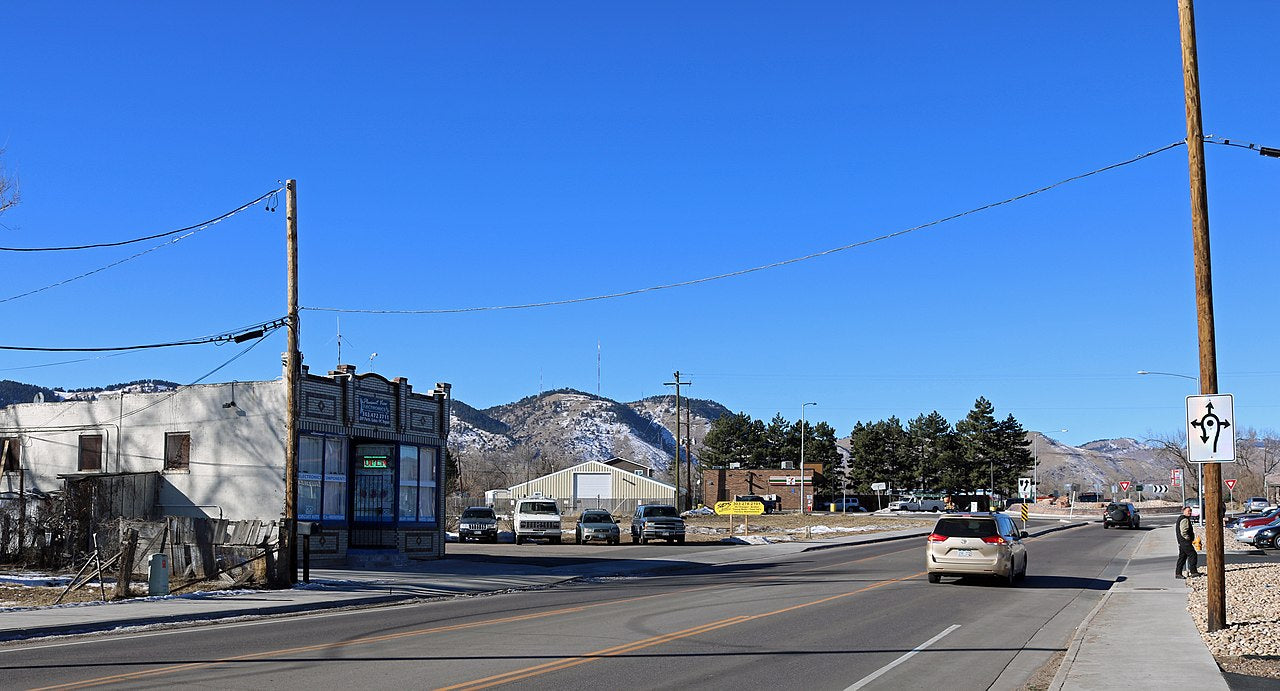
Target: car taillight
{"points": [[934, 537], [993, 540]]}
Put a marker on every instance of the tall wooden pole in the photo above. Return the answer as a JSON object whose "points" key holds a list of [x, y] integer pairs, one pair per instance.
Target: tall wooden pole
{"points": [[292, 374], [1217, 591]]}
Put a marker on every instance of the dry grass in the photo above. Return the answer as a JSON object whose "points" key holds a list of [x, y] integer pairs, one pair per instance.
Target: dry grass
{"points": [[715, 528]]}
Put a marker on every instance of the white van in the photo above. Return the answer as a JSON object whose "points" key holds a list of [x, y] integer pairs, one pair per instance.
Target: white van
{"points": [[536, 516]]}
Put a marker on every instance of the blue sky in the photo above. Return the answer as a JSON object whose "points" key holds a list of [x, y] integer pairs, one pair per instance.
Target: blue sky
{"points": [[469, 155]]}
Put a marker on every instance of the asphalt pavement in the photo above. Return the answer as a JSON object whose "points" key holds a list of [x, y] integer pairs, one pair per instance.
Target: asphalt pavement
{"points": [[1140, 630]]}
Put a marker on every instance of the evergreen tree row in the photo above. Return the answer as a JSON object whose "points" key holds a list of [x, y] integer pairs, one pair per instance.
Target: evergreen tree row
{"points": [[979, 452], [739, 438]]}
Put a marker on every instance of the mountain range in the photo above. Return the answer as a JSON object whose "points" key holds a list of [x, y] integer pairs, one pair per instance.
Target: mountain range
{"points": [[572, 427]]}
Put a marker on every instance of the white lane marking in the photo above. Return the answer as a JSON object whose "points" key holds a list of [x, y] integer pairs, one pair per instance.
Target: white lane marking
{"points": [[879, 672]]}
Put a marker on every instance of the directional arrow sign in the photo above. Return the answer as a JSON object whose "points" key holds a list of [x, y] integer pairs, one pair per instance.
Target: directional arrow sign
{"points": [[1211, 429], [1124, 485], [1024, 487]]}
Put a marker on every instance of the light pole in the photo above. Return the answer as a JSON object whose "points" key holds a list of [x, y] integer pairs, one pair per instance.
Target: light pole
{"points": [[1199, 466], [1035, 467], [802, 429]]}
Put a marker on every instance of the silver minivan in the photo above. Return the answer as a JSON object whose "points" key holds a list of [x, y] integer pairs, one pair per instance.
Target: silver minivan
{"points": [[969, 544]]}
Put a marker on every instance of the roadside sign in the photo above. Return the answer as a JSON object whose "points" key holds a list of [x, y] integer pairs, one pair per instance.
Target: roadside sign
{"points": [[879, 486], [1211, 429], [1024, 514], [1113, 489], [1175, 477], [1024, 487], [1231, 484], [739, 508], [1158, 489], [1124, 485]]}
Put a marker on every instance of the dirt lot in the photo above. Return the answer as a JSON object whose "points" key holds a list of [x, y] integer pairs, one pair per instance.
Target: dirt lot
{"points": [[715, 528]]}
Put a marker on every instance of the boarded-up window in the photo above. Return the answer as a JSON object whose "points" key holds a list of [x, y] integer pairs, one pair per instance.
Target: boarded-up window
{"points": [[90, 452], [177, 451], [10, 454]]}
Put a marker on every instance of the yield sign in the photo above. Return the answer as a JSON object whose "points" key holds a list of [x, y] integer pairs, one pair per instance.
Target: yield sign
{"points": [[1231, 483], [1124, 485]]}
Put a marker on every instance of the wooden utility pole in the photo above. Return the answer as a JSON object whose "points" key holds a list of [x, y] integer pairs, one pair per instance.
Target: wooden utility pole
{"points": [[677, 383], [292, 374], [1212, 509]]}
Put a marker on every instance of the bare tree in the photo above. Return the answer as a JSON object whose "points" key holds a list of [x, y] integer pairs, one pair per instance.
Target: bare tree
{"points": [[8, 188], [1172, 448]]}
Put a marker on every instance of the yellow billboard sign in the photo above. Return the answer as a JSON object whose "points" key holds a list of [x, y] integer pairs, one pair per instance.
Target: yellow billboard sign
{"points": [[739, 508]]}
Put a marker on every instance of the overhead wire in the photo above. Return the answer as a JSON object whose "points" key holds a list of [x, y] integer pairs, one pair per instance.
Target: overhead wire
{"points": [[188, 232], [199, 226], [225, 337], [763, 267]]}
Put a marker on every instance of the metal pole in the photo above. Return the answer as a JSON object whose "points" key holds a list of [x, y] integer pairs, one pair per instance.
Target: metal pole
{"points": [[1216, 591], [803, 503]]}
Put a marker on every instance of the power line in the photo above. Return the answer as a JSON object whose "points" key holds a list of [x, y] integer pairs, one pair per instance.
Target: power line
{"points": [[241, 336], [198, 226], [189, 232], [773, 265]]}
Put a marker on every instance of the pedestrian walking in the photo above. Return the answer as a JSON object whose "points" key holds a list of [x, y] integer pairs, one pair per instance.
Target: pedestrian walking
{"points": [[1185, 531]]}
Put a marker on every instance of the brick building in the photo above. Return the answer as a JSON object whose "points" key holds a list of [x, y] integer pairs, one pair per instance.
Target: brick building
{"points": [[782, 484]]}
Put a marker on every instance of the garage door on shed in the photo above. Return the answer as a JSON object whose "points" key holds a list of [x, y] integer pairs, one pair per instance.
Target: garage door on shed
{"points": [[588, 488]]}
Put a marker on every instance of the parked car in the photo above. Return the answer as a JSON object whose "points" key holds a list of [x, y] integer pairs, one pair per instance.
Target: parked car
{"points": [[478, 523], [1248, 534], [1120, 513], [656, 521], [1268, 537], [1256, 504], [918, 504], [596, 525], [536, 516], [842, 505], [967, 544], [1252, 521]]}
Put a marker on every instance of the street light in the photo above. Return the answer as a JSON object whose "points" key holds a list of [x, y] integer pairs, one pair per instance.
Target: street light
{"points": [[802, 429], [1199, 466]]}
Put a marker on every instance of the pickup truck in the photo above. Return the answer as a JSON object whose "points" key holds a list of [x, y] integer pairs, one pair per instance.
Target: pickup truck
{"points": [[914, 504], [536, 517]]}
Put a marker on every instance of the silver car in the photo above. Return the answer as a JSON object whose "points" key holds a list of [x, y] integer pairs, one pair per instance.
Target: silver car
{"points": [[967, 544], [596, 525]]}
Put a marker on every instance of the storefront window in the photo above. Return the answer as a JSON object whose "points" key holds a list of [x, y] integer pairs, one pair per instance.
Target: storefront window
{"points": [[322, 478], [417, 484]]}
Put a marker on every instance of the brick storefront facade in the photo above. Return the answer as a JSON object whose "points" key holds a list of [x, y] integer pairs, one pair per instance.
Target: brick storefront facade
{"points": [[721, 484]]}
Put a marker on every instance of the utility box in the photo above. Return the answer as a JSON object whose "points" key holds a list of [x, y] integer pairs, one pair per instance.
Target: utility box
{"points": [[158, 574]]}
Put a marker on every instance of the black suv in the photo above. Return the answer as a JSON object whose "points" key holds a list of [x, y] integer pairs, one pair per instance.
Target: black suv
{"points": [[1121, 514]]}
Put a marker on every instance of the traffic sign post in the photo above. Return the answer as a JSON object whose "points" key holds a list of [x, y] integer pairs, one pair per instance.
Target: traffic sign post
{"points": [[1024, 487], [1231, 488], [1124, 486], [1211, 432]]}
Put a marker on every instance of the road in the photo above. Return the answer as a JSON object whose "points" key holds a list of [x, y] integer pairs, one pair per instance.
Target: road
{"points": [[840, 618]]}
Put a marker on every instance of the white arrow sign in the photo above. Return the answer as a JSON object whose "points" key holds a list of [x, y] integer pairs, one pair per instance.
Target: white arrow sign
{"points": [[1024, 487], [1211, 429]]}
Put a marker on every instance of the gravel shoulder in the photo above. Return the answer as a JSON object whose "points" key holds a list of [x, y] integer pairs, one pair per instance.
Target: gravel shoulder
{"points": [[1250, 644]]}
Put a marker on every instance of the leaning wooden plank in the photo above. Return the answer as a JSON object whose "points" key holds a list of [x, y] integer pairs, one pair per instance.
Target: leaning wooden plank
{"points": [[188, 584]]}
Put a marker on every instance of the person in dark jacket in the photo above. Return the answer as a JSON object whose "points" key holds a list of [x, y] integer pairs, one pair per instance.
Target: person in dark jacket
{"points": [[1185, 530]]}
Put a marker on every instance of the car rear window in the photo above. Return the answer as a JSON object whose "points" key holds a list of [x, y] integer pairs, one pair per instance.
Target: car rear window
{"points": [[965, 527]]}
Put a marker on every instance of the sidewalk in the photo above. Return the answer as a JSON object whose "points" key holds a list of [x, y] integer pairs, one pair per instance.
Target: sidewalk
{"points": [[1141, 633], [335, 588]]}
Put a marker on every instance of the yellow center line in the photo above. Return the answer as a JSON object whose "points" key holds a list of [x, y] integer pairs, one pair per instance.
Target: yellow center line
{"points": [[565, 663], [171, 669], [128, 676]]}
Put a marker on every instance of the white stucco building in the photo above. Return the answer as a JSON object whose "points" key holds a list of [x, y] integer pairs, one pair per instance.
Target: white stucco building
{"points": [[370, 456]]}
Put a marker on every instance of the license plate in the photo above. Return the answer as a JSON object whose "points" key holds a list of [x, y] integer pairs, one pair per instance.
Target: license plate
{"points": [[964, 553]]}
